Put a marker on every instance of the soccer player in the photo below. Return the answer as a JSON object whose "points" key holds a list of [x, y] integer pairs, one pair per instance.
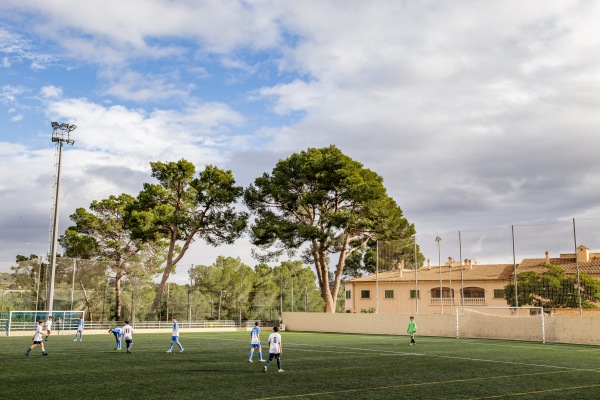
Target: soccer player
{"points": [[175, 336], [37, 339], [275, 349], [128, 335], [48, 328], [118, 335], [79, 333], [255, 343], [412, 329]]}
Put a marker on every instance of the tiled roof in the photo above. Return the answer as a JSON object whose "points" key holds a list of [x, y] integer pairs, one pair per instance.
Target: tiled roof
{"points": [[591, 267], [491, 272], [477, 273]]}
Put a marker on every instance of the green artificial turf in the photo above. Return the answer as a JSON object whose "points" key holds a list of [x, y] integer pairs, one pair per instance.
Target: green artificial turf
{"points": [[317, 366]]}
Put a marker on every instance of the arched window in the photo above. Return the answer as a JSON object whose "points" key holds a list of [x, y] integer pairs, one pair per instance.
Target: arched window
{"points": [[473, 293], [446, 293]]}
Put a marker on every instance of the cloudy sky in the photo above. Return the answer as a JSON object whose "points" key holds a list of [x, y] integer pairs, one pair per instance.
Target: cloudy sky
{"points": [[478, 115]]}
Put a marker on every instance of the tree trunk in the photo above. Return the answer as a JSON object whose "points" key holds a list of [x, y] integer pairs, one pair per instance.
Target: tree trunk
{"points": [[118, 297], [87, 301], [159, 293], [171, 262], [322, 268]]}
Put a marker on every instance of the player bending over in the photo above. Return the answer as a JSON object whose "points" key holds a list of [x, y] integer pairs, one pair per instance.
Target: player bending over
{"points": [[275, 349], [118, 335], [175, 336], [37, 339], [255, 343]]}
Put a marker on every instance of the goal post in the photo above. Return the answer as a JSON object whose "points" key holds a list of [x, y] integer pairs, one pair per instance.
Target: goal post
{"points": [[510, 323], [28, 320]]}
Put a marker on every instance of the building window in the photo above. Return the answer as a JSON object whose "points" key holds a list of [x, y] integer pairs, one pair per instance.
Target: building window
{"points": [[348, 294], [446, 293], [414, 294], [389, 294], [473, 293], [365, 294], [498, 293]]}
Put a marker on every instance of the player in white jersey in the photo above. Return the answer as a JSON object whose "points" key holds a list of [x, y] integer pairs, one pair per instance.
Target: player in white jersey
{"points": [[275, 349], [255, 343], [48, 328], [175, 336], [79, 333], [128, 335], [37, 339]]}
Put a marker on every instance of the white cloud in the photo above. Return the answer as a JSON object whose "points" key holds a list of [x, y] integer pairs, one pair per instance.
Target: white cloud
{"points": [[17, 118], [477, 114], [9, 93], [144, 87], [51, 92], [17, 49]]}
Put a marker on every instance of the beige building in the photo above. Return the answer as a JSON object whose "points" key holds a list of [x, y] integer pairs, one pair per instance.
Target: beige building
{"points": [[406, 291]]}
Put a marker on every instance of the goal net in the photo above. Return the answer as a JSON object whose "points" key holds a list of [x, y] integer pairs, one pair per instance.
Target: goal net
{"points": [[510, 323], [28, 320]]}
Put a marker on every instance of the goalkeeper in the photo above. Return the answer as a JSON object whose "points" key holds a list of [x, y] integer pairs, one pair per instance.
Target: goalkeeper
{"points": [[412, 329]]}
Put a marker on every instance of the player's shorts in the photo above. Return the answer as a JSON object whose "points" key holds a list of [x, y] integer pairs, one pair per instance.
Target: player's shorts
{"points": [[175, 338], [37, 342], [79, 331], [117, 335], [274, 356], [254, 346]]}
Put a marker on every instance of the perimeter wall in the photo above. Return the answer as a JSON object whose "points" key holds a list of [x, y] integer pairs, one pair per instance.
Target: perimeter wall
{"points": [[558, 329]]}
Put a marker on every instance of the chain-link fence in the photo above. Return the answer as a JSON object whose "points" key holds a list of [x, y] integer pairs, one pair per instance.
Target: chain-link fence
{"points": [[555, 266], [91, 286]]}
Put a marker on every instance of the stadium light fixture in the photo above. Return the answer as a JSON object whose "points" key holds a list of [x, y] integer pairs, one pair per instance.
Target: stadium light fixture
{"points": [[61, 133]]}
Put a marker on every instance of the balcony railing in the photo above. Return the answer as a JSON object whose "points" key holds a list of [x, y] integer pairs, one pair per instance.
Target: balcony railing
{"points": [[445, 301], [480, 301]]}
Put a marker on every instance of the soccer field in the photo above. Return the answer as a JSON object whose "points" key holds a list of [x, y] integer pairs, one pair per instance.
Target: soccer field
{"points": [[317, 366]]}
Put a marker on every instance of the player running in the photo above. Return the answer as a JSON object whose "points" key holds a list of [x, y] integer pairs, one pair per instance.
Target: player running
{"points": [[255, 343], [275, 349], [175, 337], [48, 328], [37, 339]]}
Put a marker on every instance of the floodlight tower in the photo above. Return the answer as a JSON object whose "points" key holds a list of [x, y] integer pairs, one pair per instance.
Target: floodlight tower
{"points": [[61, 134]]}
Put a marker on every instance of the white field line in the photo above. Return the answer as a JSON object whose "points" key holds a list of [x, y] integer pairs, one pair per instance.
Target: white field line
{"points": [[344, 350], [445, 382]]}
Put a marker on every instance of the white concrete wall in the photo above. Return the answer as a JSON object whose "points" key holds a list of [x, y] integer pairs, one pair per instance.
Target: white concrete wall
{"points": [[557, 329]]}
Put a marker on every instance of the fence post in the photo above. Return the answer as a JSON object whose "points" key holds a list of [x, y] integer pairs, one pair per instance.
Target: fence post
{"points": [[514, 264], [577, 267]]}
